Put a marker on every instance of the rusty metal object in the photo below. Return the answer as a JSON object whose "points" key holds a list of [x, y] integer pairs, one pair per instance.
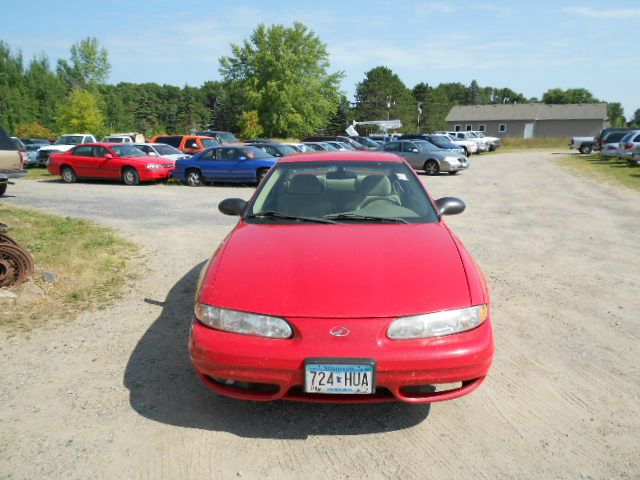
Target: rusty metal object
{"points": [[16, 264]]}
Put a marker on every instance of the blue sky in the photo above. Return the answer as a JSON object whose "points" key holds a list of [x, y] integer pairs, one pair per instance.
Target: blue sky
{"points": [[527, 46]]}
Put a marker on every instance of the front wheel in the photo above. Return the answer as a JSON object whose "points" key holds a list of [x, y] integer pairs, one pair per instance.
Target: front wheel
{"points": [[431, 167], [68, 175], [130, 176], [194, 178], [3, 188], [466, 151]]}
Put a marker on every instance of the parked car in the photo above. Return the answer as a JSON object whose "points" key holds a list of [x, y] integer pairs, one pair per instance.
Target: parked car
{"points": [[343, 147], [160, 150], [629, 144], [494, 142], [299, 146], [423, 155], [62, 144], [469, 146], [611, 143], [481, 145], [440, 141], [274, 149], [366, 142], [117, 139], [582, 144], [238, 164], [11, 162], [604, 133], [335, 138], [320, 146], [222, 137], [189, 144], [335, 313], [109, 161]]}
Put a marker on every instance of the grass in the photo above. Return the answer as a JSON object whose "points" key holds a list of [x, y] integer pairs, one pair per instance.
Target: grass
{"points": [[92, 265], [517, 143], [601, 168], [40, 173]]}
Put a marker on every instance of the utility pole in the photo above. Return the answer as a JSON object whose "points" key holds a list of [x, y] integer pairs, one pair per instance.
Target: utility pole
{"points": [[419, 113], [390, 102]]}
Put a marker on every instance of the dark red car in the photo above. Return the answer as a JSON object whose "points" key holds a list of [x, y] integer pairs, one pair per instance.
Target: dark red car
{"points": [[115, 161], [342, 283]]}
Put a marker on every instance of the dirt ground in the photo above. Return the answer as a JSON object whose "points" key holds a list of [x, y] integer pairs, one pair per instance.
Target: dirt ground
{"points": [[112, 394]]}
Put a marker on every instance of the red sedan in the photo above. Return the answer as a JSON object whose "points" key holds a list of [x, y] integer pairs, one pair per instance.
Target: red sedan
{"points": [[111, 161], [342, 283]]}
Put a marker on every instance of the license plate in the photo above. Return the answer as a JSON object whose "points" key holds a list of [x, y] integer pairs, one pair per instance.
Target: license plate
{"points": [[339, 376]]}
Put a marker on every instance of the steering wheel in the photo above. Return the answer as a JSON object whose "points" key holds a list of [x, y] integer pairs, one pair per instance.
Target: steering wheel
{"points": [[380, 199]]}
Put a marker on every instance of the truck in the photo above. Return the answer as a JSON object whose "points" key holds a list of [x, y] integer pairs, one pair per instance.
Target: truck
{"points": [[583, 144], [63, 144], [11, 162]]}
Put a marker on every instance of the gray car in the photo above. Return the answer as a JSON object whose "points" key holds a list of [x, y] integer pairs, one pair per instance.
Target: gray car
{"points": [[423, 155], [628, 144]]}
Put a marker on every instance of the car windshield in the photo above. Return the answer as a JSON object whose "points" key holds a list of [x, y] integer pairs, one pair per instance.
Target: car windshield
{"points": [[442, 142], [227, 137], [167, 150], [480, 134], [127, 151], [69, 140], [209, 143], [286, 149], [615, 137], [341, 192]]}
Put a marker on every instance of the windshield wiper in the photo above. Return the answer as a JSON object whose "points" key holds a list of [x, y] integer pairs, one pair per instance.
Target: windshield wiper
{"points": [[368, 218], [274, 214]]}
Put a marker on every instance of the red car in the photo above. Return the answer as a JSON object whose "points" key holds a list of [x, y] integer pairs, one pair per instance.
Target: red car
{"points": [[109, 160], [342, 283]]}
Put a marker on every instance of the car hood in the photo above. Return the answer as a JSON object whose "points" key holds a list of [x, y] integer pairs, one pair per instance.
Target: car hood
{"points": [[56, 148], [338, 271]]}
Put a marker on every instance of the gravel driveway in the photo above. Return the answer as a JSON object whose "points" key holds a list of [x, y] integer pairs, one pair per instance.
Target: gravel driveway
{"points": [[113, 395]]}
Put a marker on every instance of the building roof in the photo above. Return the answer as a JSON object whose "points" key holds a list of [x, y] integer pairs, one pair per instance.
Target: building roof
{"points": [[528, 111]]}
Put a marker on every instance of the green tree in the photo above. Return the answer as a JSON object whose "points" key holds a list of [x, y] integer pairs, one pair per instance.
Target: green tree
{"points": [[615, 115], [473, 94], [81, 113], [281, 73], [46, 90], [16, 105], [382, 96], [340, 120], [250, 125], [569, 96], [34, 130], [635, 121], [89, 65]]}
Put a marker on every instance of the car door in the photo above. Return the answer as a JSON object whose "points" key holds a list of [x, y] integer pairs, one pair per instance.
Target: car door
{"points": [[83, 161], [214, 165], [106, 167], [412, 154]]}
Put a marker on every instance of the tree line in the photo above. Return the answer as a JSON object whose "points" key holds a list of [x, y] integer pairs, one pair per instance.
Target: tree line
{"points": [[276, 83]]}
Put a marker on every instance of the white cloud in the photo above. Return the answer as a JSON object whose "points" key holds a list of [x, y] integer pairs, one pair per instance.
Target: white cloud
{"points": [[604, 13]]}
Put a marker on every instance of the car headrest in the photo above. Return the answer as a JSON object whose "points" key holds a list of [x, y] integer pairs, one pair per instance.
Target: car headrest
{"points": [[375, 185], [305, 183]]}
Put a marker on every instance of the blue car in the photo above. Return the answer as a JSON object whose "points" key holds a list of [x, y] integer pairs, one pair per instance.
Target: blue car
{"points": [[237, 164]]}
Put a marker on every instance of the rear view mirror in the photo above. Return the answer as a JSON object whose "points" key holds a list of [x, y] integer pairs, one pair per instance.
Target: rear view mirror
{"points": [[152, 154], [450, 206], [232, 206], [108, 156]]}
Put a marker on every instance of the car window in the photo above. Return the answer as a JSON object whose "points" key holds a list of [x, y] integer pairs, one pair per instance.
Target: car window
{"points": [[227, 137], [409, 147], [99, 151], [209, 155], [636, 138], [173, 141], [127, 151], [209, 143], [387, 190], [392, 147], [83, 151], [191, 142], [69, 140], [145, 148], [165, 150]]}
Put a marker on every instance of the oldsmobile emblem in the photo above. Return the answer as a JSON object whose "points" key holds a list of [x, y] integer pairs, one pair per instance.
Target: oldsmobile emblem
{"points": [[339, 331]]}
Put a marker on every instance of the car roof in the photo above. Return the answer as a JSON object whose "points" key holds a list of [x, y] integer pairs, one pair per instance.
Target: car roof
{"points": [[350, 156]]}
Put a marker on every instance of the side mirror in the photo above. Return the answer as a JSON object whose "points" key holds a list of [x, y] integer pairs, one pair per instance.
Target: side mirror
{"points": [[232, 206], [414, 150], [450, 206], [108, 156]]}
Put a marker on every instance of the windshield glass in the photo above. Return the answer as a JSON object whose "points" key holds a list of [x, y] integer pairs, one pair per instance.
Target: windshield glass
{"points": [[426, 146], [286, 149], [167, 150], [227, 137], [442, 142], [255, 153], [127, 151], [344, 191], [69, 140], [209, 143]]}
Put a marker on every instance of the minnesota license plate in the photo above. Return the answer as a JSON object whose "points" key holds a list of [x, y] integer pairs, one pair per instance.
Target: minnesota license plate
{"points": [[339, 376]]}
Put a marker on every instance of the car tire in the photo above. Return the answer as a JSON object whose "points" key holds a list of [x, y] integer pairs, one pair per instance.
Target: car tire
{"points": [[3, 188], [466, 151], [585, 149], [130, 176], [455, 172], [431, 167], [194, 178], [261, 174], [492, 148], [68, 175]]}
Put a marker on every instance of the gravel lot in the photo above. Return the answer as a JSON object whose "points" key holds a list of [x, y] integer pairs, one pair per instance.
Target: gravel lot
{"points": [[113, 395]]}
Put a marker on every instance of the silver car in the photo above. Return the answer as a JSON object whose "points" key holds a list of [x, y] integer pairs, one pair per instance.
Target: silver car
{"points": [[628, 144], [423, 155]]}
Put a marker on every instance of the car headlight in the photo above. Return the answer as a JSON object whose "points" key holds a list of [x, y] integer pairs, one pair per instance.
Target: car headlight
{"points": [[152, 166], [437, 324], [451, 159], [244, 323]]}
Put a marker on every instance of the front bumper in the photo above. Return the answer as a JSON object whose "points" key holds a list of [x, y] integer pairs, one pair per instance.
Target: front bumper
{"points": [[254, 368], [154, 174]]}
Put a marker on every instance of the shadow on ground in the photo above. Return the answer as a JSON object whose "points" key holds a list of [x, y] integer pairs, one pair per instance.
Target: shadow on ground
{"points": [[164, 387]]}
